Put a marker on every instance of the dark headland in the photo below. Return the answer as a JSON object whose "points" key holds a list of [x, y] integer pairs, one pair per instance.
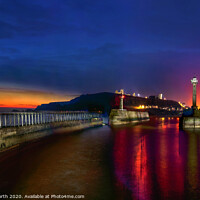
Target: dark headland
{"points": [[105, 101]]}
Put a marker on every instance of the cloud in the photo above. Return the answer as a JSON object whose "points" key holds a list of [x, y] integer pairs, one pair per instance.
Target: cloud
{"points": [[90, 46], [6, 30], [9, 50], [35, 19], [105, 68]]}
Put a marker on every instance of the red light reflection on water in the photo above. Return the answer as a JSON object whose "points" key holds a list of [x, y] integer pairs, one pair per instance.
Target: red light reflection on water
{"points": [[140, 171], [169, 165], [147, 160], [130, 156]]}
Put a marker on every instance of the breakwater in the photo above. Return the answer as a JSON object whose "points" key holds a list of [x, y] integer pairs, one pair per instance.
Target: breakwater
{"points": [[17, 128], [118, 116], [189, 122], [190, 119]]}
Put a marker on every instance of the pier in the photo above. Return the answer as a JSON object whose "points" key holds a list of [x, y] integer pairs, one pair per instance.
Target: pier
{"points": [[17, 128]]}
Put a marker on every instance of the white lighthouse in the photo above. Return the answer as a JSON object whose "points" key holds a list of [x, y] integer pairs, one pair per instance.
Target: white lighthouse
{"points": [[121, 105]]}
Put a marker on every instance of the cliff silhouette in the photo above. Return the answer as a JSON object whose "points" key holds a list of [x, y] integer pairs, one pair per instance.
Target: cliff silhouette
{"points": [[105, 101]]}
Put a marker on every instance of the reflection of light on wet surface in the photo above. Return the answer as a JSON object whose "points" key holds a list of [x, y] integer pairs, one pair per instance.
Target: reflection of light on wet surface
{"points": [[193, 161], [168, 122], [146, 161], [63, 164], [131, 156], [164, 161], [140, 178]]}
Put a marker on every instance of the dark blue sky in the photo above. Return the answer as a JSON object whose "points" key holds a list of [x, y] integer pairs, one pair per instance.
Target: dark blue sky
{"points": [[87, 46]]}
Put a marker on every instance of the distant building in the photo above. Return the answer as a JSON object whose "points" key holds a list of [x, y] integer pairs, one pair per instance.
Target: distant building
{"points": [[159, 96], [120, 91], [153, 97]]}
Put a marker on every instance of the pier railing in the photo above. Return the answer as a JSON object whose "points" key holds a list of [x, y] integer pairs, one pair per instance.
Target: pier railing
{"points": [[14, 119]]}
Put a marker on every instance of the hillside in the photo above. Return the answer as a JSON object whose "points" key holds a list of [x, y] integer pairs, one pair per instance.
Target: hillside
{"points": [[104, 102], [91, 102]]}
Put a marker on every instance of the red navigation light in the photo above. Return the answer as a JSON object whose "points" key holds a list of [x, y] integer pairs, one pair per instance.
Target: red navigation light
{"points": [[123, 96]]}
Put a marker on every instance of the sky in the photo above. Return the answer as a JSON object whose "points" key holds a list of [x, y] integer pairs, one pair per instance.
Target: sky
{"points": [[54, 50]]}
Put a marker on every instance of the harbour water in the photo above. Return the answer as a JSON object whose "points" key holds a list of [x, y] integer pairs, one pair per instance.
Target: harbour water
{"points": [[150, 160]]}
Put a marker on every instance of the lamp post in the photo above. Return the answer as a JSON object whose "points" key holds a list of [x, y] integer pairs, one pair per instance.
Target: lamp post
{"points": [[194, 82]]}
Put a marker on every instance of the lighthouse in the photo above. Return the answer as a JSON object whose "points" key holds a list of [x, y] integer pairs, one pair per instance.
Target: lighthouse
{"points": [[194, 82]]}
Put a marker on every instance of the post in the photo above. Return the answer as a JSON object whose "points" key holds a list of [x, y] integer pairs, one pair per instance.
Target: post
{"points": [[14, 120], [29, 119], [25, 119], [18, 119], [194, 82], [35, 118], [32, 118], [5, 120], [38, 118]]}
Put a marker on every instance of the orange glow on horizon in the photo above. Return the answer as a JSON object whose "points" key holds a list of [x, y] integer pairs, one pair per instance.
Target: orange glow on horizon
{"points": [[19, 98]]}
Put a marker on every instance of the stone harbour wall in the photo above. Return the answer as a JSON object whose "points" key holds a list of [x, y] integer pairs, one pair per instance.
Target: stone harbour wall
{"points": [[118, 116], [189, 122], [13, 136]]}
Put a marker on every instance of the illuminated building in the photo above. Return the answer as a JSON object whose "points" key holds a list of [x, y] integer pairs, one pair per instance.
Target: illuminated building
{"points": [[160, 96], [119, 92]]}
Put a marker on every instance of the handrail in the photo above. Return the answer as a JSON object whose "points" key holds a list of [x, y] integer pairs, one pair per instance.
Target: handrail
{"points": [[14, 119]]}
